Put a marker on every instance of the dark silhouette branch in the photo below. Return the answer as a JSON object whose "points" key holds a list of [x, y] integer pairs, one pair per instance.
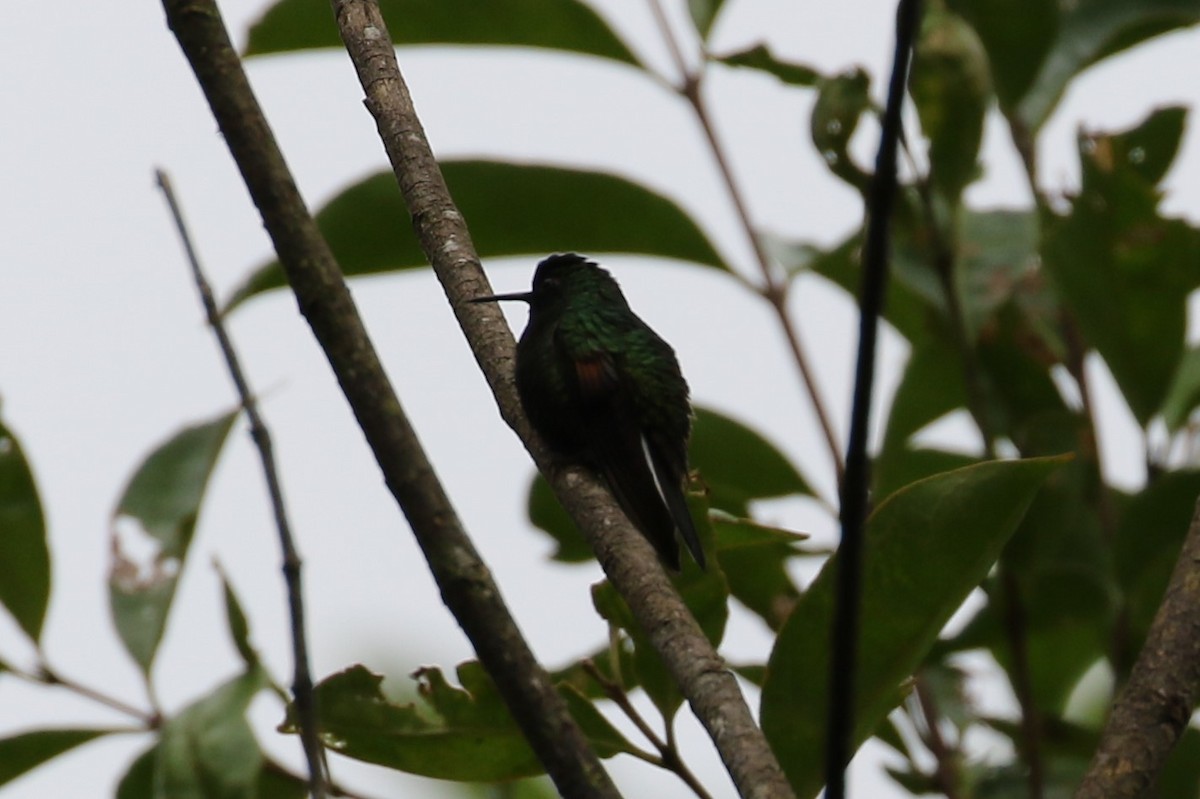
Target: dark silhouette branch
{"points": [[466, 584], [1154, 707], [843, 660], [625, 555], [302, 685]]}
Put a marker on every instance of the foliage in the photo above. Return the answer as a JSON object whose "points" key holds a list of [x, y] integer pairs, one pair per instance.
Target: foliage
{"points": [[992, 302]]}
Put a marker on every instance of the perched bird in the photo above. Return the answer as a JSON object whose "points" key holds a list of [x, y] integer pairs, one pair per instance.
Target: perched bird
{"points": [[601, 387]]}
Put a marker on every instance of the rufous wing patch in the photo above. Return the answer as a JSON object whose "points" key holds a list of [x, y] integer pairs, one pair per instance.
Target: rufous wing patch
{"points": [[596, 375]]}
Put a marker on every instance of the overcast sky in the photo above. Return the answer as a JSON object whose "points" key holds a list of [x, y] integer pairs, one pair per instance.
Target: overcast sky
{"points": [[104, 353]]}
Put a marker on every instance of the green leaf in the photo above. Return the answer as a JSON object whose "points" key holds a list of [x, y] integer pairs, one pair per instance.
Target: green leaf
{"points": [[235, 618], [754, 559], [932, 386], [738, 464], [160, 506], [275, 783], [997, 261], [209, 751], [138, 780], [951, 87], [927, 547], [841, 102], [1037, 48], [1016, 39], [1180, 776], [547, 514], [605, 739], [1057, 577], [1147, 150], [26, 751], [272, 782], [760, 57], [566, 25], [905, 309], [1183, 395], [704, 14], [513, 209], [1089, 31], [1124, 271], [1149, 537], [24, 554], [473, 738]]}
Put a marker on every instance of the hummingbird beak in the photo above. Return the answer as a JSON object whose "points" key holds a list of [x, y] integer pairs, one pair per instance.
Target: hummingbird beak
{"points": [[525, 296]]}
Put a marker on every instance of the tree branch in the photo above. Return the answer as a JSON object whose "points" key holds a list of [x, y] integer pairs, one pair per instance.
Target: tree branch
{"points": [[302, 685], [1163, 689], [855, 500], [625, 555], [466, 585]]}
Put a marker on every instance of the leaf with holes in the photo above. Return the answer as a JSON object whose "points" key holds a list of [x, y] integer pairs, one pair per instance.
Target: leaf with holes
{"points": [[471, 735], [152, 529]]}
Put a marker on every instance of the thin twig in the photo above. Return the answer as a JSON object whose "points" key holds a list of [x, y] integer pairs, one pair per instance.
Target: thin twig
{"points": [[335, 788], [465, 582], [1016, 631], [945, 261], [947, 772], [669, 757], [773, 289], [855, 497], [302, 685], [626, 556], [45, 675], [1154, 708]]}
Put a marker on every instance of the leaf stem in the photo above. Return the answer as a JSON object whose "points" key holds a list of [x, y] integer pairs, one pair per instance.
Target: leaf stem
{"points": [[45, 675], [947, 773]]}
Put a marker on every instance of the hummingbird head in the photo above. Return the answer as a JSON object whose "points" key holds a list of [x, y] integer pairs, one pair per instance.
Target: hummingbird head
{"points": [[561, 278]]}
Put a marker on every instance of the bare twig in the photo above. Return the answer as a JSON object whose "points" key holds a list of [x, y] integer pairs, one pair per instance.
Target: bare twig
{"points": [[843, 658], [466, 584], [625, 555], [302, 685], [773, 289], [1163, 689]]}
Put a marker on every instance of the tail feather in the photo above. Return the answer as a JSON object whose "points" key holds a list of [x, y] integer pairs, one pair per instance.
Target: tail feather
{"points": [[634, 485], [669, 481], [649, 488]]}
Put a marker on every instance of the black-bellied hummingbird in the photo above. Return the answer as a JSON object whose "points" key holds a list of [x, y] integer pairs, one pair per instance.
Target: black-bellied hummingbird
{"points": [[602, 388]]}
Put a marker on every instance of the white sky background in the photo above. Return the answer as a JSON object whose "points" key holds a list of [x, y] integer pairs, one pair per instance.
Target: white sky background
{"points": [[103, 353]]}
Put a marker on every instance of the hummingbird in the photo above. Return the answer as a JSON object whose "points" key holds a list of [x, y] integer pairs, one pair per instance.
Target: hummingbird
{"points": [[602, 388]]}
